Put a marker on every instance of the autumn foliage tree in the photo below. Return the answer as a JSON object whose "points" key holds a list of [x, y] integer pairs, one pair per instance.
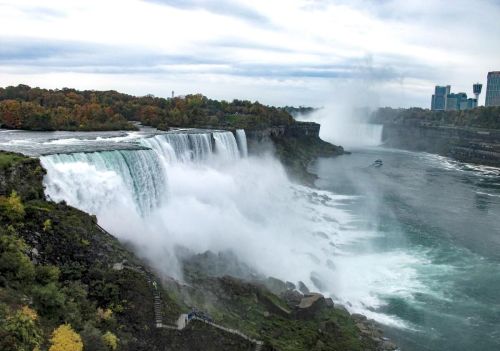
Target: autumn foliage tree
{"points": [[19, 331], [22, 107], [64, 338]]}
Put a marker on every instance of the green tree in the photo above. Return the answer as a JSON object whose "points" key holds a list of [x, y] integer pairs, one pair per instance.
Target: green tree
{"points": [[15, 265], [45, 274], [49, 300]]}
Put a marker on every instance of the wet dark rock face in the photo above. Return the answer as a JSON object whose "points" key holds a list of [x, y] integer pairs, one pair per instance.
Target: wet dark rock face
{"points": [[296, 145]]}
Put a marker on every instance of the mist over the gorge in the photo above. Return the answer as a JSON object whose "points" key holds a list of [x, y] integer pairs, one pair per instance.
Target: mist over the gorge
{"points": [[224, 202]]}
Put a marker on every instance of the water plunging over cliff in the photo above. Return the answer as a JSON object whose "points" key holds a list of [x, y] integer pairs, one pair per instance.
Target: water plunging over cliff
{"points": [[226, 146], [195, 190], [94, 179], [241, 138], [141, 174], [181, 147]]}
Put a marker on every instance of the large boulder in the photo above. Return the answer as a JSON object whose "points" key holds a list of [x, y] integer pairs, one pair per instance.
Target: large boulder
{"points": [[310, 305]]}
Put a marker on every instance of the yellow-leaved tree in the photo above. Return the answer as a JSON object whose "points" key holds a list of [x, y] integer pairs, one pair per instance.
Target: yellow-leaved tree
{"points": [[64, 338], [110, 340]]}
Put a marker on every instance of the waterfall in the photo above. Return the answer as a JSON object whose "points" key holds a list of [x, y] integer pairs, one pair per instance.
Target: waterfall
{"points": [[94, 180], [195, 191], [181, 147], [241, 139], [201, 145], [226, 146]]}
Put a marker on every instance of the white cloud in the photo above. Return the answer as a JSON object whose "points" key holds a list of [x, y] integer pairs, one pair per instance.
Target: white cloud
{"points": [[280, 52]]}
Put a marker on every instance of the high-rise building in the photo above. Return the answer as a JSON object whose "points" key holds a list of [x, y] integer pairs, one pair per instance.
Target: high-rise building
{"points": [[476, 88], [459, 101], [455, 101], [439, 99], [444, 100], [493, 89]]}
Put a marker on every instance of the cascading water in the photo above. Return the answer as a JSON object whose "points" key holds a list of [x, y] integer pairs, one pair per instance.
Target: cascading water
{"points": [[241, 139], [183, 192], [137, 173], [226, 146], [181, 147]]}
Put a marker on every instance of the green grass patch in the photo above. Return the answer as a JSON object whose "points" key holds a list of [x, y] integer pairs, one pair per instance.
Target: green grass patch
{"points": [[8, 159]]}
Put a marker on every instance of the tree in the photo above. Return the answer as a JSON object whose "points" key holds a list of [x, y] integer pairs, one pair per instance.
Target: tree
{"points": [[20, 332], [46, 274], [10, 114], [93, 339], [49, 300], [110, 340], [64, 338], [12, 207], [15, 265]]}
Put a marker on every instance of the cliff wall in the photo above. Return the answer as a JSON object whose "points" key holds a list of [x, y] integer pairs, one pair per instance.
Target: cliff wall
{"points": [[295, 130], [481, 146], [296, 145]]}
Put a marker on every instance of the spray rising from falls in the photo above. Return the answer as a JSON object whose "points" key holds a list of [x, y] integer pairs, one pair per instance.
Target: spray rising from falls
{"points": [[196, 190], [346, 127]]}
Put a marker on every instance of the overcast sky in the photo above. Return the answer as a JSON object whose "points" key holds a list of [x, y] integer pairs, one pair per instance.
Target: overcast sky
{"points": [[295, 52]]}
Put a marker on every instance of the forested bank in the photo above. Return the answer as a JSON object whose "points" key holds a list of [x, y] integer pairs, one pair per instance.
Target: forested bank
{"points": [[23, 107]]}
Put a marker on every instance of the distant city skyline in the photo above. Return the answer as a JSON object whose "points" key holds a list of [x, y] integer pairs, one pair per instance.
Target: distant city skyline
{"points": [[294, 52]]}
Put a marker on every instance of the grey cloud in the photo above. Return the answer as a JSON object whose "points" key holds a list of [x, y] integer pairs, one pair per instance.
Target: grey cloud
{"points": [[57, 55], [224, 7], [47, 53]]}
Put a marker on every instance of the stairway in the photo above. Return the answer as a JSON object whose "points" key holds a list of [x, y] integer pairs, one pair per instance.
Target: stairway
{"points": [[258, 343], [157, 310], [183, 321], [158, 315]]}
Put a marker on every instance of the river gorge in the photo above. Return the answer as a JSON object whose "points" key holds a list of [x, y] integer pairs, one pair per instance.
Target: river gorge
{"points": [[393, 243]]}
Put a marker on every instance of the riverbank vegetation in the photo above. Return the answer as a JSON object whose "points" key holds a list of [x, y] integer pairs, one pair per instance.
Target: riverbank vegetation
{"points": [[23, 107]]}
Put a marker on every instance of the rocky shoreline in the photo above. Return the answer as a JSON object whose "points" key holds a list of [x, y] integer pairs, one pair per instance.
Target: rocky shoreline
{"points": [[304, 304]]}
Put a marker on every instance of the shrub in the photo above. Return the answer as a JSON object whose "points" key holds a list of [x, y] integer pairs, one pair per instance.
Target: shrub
{"points": [[20, 332], [49, 300], [104, 314], [47, 274], [64, 338], [47, 225], [110, 340], [15, 265], [93, 339], [12, 207]]}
